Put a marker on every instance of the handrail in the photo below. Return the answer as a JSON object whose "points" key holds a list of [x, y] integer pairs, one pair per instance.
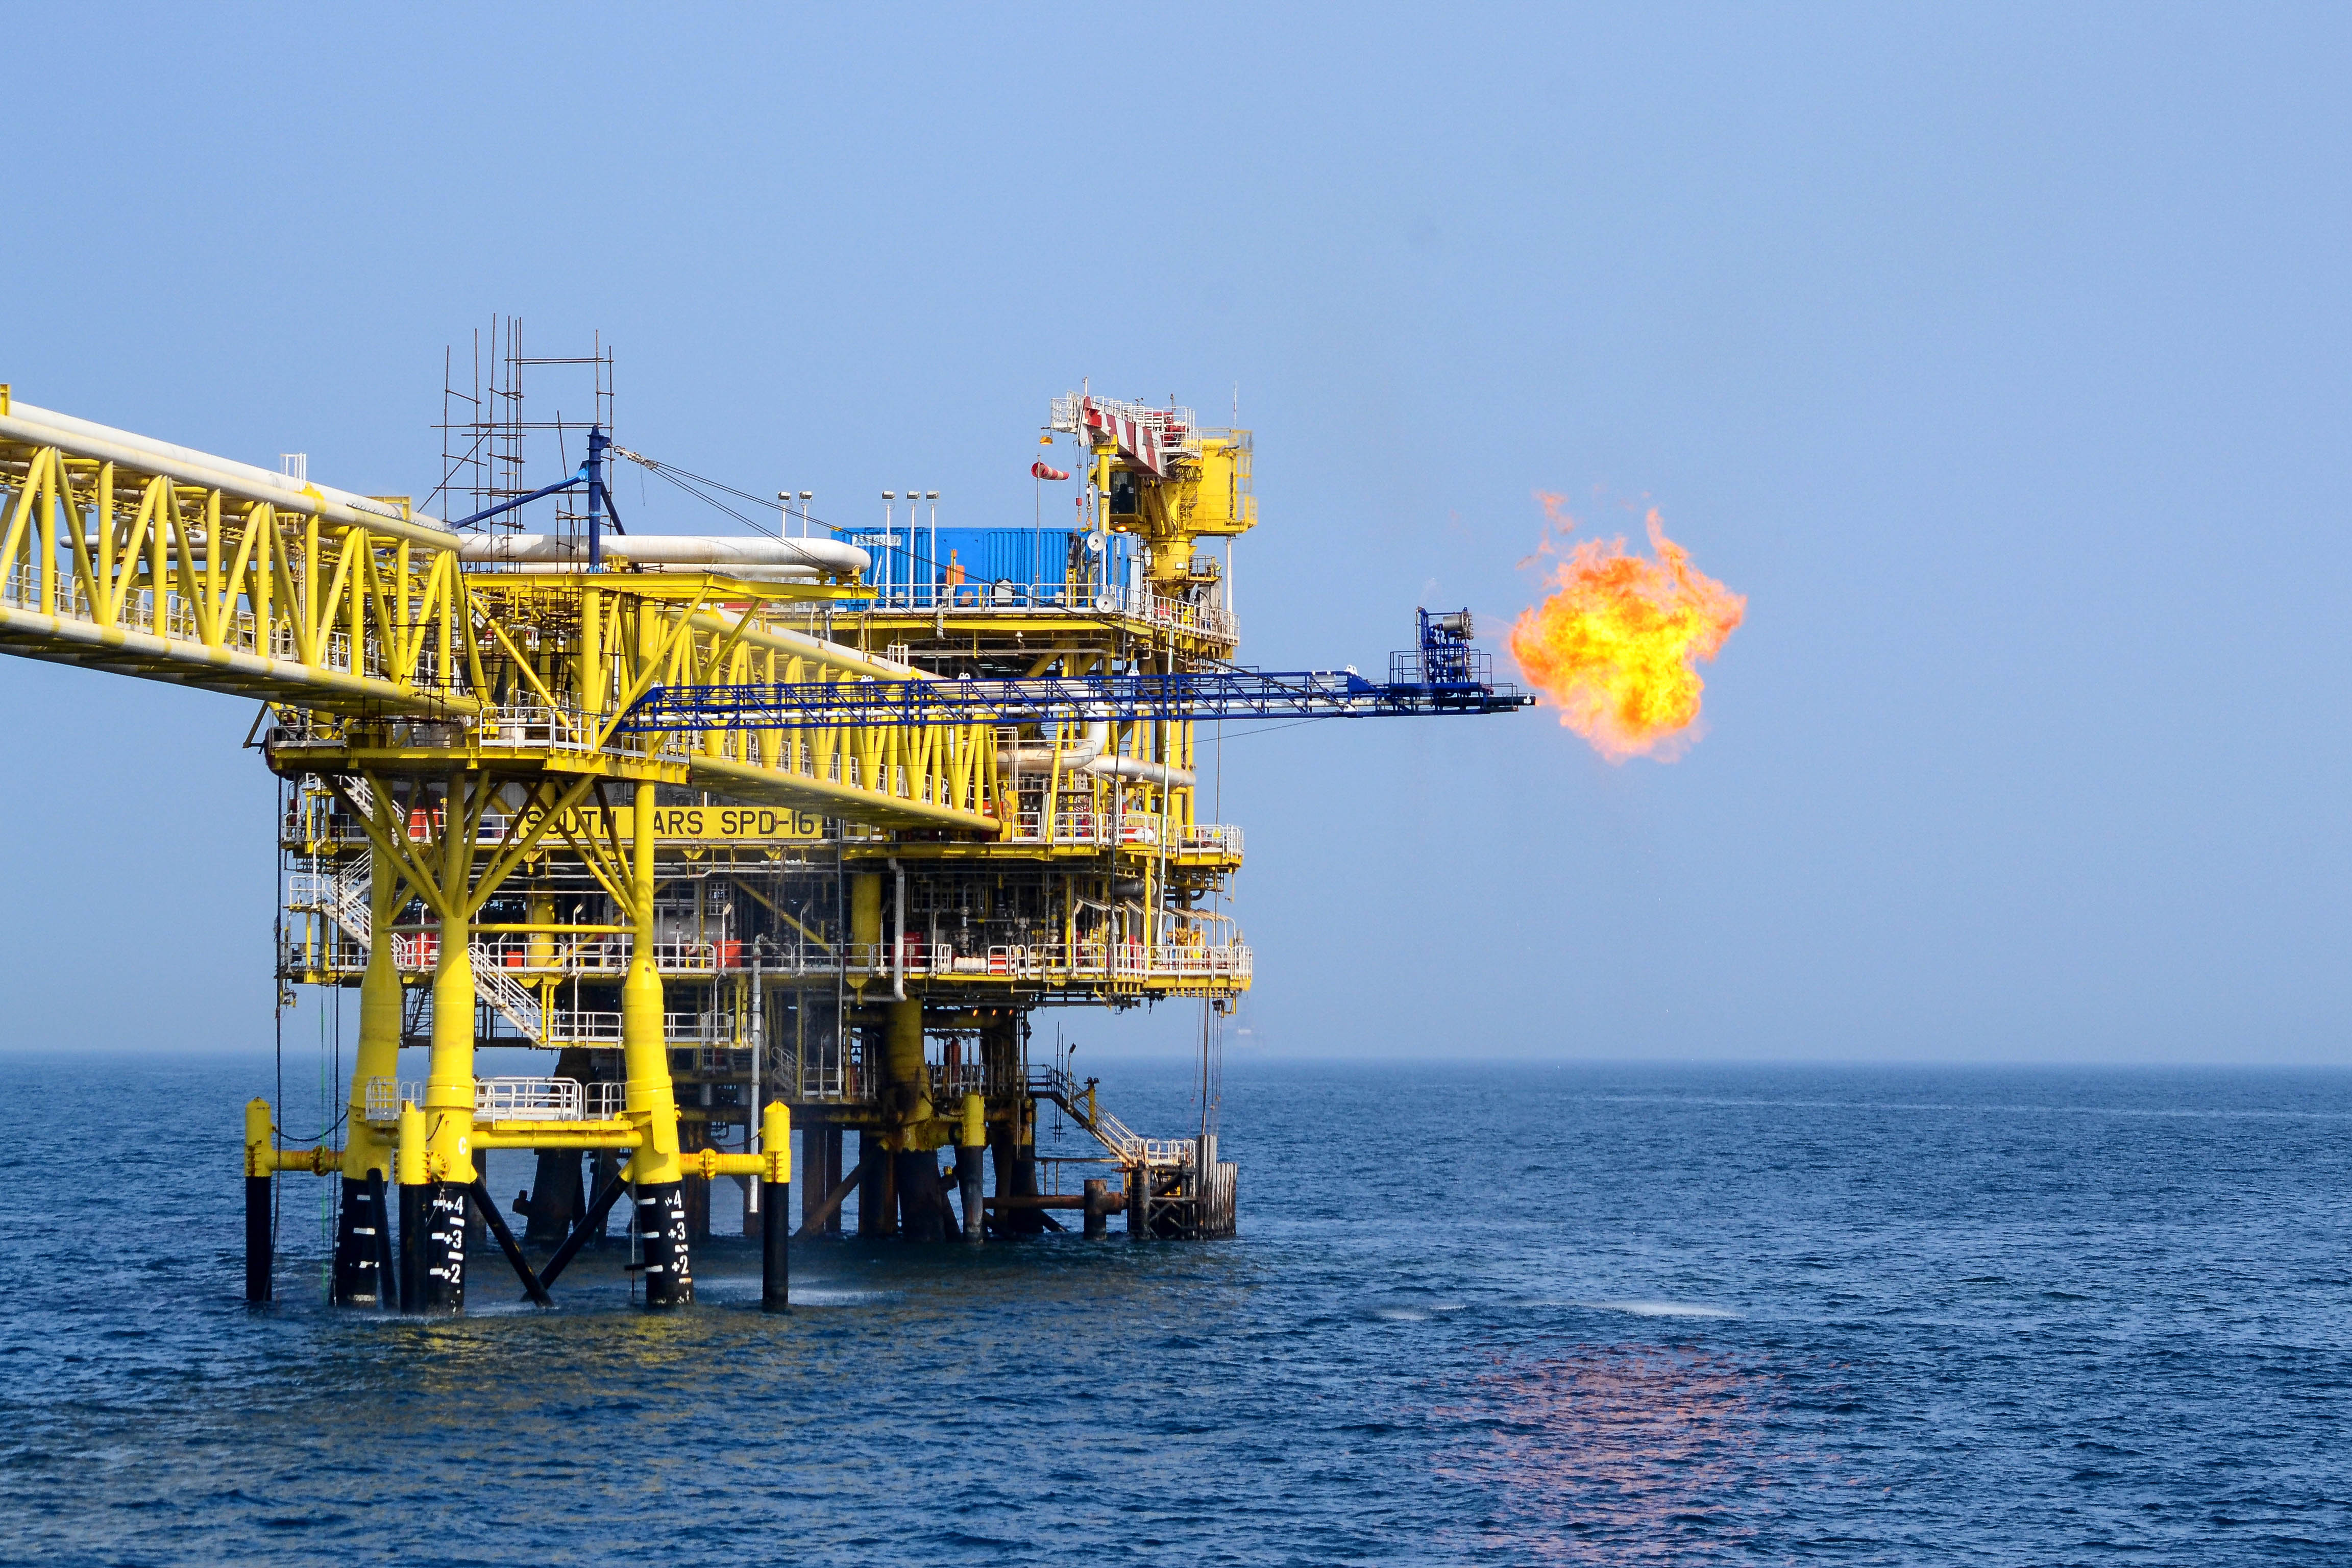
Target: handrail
{"points": [[500, 1098]]}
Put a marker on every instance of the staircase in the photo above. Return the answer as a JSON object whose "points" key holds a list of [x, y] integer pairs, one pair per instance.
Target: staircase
{"points": [[344, 897], [344, 900], [1125, 1144], [493, 985]]}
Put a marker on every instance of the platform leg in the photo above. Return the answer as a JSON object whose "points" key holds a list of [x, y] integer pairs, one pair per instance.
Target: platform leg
{"points": [[776, 1247], [555, 1198], [386, 1266], [922, 1201], [259, 1241], [589, 1231], [834, 1167], [1029, 1222], [441, 1248], [661, 1227], [412, 1243], [975, 1205], [875, 1198], [360, 1228], [775, 1209], [1097, 1208], [258, 1257], [655, 1168], [1014, 1150], [363, 1227], [815, 1175]]}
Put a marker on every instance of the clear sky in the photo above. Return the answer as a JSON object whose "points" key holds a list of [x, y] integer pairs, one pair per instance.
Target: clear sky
{"points": [[1998, 354]]}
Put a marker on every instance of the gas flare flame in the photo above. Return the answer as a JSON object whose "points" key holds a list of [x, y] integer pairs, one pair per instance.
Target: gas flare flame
{"points": [[1616, 647]]}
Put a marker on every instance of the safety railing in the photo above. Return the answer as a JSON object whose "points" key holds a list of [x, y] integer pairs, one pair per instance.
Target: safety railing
{"points": [[589, 1028], [338, 954], [1095, 829], [609, 954], [1080, 828], [950, 1082], [1057, 961], [536, 725], [1207, 621], [823, 1073], [497, 963], [527, 1099], [416, 953], [503, 1099], [176, 618], [1072, 595], [1214, 838]]}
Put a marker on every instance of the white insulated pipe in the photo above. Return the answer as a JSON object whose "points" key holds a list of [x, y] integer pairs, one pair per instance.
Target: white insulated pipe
{"points": [[45, 427], [1040, 759], [783, 639], [749, 556], [771, 559], [1159, 773], [1090, 758]]}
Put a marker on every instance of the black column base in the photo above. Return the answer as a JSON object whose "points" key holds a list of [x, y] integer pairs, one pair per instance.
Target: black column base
{"points": [[975, 1206], [361, 1227], [878, 1211], [260, 1243], [923, 1213], [1025, 1222], [437, 1263], [776, 1247], [661, 1225]]}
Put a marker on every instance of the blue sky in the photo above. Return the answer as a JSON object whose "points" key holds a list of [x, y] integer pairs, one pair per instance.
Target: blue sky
{"points": [[1998, 354]]}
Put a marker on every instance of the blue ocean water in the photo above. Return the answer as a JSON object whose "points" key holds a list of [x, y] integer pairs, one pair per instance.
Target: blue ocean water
{"points": [[1478, 1314]]}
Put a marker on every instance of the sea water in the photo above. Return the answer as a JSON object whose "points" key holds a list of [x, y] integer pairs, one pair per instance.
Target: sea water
{"points": [[1483, 1313]]}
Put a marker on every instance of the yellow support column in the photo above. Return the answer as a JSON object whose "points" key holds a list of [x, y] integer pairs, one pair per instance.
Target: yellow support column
{"points": [[654, 1170], [908, 1098], [449, 1077], [865, 925], [365, 1223], [540, 949], [913, 1137], [969, 1145]]}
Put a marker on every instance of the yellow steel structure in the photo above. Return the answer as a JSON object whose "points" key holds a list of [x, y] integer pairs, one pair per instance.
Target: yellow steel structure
{"points": [[858, 920]]}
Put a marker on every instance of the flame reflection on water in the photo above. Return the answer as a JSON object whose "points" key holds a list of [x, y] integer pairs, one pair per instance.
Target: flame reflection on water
{"points": [[1611, 1454]]}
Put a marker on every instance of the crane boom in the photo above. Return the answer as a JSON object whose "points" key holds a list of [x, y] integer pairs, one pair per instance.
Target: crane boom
{"points": [[1186, 695], [1443, 676]]}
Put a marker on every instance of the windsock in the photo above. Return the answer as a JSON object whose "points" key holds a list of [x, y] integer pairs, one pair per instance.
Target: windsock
{"points": [[1040, 470]]}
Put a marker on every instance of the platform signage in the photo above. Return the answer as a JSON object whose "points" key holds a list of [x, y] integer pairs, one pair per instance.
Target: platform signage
{"points": [[703, 823]]}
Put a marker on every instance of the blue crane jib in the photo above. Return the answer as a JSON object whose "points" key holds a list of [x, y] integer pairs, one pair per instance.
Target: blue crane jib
{"points": [[1444, 675]]}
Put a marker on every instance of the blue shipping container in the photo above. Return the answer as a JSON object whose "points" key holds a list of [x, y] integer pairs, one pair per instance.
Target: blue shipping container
{"points": [[1024, 567]]}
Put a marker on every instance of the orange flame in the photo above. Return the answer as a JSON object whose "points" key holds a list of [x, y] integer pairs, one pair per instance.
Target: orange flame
{"points": [[1616, 646]]}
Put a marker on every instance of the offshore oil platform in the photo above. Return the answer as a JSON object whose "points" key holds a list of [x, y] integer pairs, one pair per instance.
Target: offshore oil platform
{"points": [[788, 831]]}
